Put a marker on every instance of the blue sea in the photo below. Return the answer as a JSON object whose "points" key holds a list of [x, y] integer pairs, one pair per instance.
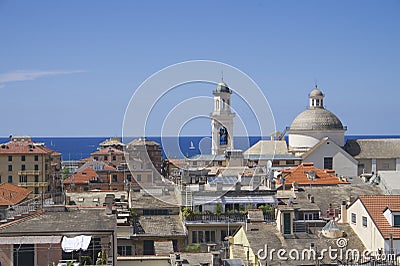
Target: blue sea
{"points": [[75, 148]]}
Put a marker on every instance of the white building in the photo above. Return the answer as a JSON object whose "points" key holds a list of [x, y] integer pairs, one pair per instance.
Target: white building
{"points": [[376, 221], [326, 154], [314, 124], [222, 120]]}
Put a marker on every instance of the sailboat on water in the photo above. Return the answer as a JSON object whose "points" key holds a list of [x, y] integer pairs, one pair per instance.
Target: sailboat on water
{"points": [[192, 147]]}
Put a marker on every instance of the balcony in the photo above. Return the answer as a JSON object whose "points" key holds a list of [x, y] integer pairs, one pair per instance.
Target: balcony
{"points": [[216, 218], [29, 172], [32, 184]]}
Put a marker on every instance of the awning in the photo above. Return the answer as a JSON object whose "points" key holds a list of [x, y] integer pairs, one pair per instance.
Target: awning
{"points": [[200, 200], [250, 200], [30, 240]]}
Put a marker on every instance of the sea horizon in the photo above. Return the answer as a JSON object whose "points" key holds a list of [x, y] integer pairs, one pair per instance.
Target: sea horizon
{"points": [[76, 148]]}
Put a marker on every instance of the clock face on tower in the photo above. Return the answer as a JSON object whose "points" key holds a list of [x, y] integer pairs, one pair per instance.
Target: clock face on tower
{"points": [[223, 136]]}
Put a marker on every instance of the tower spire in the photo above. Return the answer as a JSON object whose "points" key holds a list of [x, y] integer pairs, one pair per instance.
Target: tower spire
{"points": [[222, 76]]}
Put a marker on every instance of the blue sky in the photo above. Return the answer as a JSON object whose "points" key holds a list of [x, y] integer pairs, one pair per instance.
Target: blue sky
{"points": [[69, 68]]}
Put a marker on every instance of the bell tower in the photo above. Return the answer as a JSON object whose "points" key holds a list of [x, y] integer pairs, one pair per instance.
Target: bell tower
{"points": [[222, 120]]}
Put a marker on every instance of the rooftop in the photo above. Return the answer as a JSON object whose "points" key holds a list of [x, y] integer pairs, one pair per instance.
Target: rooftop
{"points": [[76, 220], [107, 151], [334, 195], [261, 234], [11, 194], [308, 174], [376, 205], [25, 146], [162, 225], [268, 147], [144, 200], [373, 148]]}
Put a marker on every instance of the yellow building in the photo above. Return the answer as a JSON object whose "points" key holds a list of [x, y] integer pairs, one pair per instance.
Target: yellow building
{"points": [[30, 165]]}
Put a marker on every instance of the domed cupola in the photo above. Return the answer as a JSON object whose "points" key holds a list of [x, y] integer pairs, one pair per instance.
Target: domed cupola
{"points": [[314, 124], [222, 88], [316, 98]]}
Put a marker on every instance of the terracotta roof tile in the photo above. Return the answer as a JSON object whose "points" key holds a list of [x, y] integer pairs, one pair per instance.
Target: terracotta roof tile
{"points": [[107, 151], [25, 147], [299, 175], [376, 205], [82, 177], [11, 194]]}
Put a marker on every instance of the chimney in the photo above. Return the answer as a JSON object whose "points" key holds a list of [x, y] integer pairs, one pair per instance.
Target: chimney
{"points": [[109, 201], [216, 258], [343, 212]]}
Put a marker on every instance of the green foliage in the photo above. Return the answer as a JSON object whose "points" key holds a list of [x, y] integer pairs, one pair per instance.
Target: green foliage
{"points": [[186, 212], [132, 215], [86, 260], [103, 257], [193, 248], [219, 209]]}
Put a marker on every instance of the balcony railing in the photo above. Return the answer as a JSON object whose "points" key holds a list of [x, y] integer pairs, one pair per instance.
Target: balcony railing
{"points": [[216, 218], [32, 184], [29, 172]]}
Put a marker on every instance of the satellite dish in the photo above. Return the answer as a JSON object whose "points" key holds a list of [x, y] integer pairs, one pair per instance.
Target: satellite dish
{"points": [[269, 164]]}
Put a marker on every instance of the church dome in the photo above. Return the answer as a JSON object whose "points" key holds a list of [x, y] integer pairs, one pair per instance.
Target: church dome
{"points": [[316, 119], [316, 93], [222, 87]]}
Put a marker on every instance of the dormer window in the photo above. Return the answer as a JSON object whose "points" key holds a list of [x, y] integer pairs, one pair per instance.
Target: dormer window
{"points": [[393, 217], [396, 220]]}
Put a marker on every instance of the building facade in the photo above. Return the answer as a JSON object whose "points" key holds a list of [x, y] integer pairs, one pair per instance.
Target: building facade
{"points": [[30, 165]]}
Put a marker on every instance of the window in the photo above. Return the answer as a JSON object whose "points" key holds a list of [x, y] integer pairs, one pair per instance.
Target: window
{"points": [[36, 167], [138, 177], [10, 168], [36, 158], [23, 179], [114, 157], [10, 179], [353, 218], [364, 221], [155, 212], [396, 220], [96, 158], [308, 216], [201, 236], [10, 158], [23, 167], [36, 178], [114, 178], [194, 236], [328, 163], [105, 158], [23, 158], [124, 250], [81, 199], [129, 177], [36, 190], [204, 236]]}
